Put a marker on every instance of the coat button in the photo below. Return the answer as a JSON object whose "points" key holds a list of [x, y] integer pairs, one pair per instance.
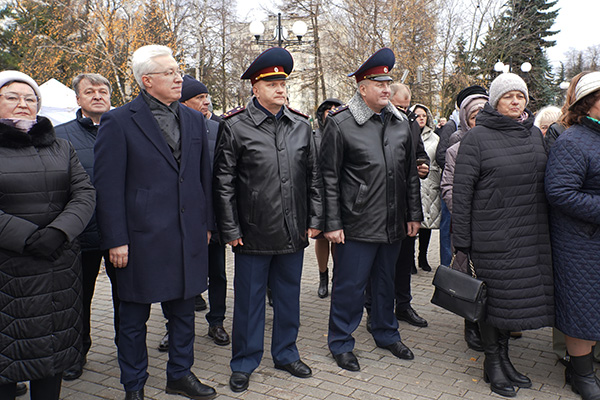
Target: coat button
{"points": [[287, 211], [181, 180], [182, 210], [284, 180]]}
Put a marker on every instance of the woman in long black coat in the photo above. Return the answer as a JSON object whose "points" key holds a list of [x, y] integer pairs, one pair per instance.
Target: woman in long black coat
{"points": [[573, 190], [500, 218], [47, 200]]}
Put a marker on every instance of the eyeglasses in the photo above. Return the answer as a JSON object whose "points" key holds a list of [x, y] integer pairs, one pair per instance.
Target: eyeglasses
{"points": [[15, 98], [169, 73]]}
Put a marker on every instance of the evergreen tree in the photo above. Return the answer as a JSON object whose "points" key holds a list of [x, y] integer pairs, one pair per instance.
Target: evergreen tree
{"points": [[463, 76], [519, 36]]}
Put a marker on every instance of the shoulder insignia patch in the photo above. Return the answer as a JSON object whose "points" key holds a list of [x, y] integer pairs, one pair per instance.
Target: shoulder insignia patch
{"points": [[298, 112], [339, 109], [230, 113]]}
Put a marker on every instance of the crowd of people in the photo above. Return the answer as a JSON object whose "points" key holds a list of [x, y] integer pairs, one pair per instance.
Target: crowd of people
{"points": [[158, 188]]}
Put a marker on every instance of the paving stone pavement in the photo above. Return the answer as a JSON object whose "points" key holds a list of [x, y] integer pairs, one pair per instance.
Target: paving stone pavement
{"points": [[444, 367]]}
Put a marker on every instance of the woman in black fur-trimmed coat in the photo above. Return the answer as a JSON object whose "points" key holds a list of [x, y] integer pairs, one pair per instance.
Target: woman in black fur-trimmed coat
{"points": [[46, 201]]}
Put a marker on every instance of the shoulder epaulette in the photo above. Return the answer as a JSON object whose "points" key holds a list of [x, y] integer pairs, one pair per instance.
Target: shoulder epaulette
{"points": [[298, 112], [339, 109], [232, 112]]}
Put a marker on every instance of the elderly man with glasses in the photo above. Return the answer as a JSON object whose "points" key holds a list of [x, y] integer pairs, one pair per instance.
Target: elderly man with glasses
{"points": [[153, 179]]}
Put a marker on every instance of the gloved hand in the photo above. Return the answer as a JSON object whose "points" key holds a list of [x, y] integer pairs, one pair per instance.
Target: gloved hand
{"points": [[464, 250], [43, 242]]}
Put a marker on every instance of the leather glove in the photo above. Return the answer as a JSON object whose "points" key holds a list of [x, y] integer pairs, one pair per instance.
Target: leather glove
{"points": [[43, 242], [464, 250]]}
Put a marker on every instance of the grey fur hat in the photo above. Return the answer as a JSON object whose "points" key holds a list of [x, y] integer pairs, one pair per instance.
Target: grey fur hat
{"points": [[505, 83]]}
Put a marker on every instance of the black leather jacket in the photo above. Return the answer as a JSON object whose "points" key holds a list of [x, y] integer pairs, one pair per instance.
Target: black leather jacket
{"points": [[370, 174], [266, 181]]}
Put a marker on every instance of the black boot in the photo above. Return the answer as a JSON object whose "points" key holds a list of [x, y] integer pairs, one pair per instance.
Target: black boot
{"points": [[583, 378], [323, 291], [472, 336], [424, 237], [423, 263], [511, 373], [492, 366]]}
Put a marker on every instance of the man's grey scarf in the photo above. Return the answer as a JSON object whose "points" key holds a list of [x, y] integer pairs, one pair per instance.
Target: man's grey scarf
{"points": [[362, 113]]}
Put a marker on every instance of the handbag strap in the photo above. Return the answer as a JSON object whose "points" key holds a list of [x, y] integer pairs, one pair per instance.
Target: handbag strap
{"points": [[471, 266]]}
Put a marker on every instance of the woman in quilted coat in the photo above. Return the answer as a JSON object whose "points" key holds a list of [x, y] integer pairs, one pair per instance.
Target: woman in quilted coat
{"points": [[573, 190], [47, 200], [430, 186], [500, 218], [468, 111]]}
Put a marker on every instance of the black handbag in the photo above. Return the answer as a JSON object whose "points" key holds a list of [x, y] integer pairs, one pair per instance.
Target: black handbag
{"points": [[460, 293]]}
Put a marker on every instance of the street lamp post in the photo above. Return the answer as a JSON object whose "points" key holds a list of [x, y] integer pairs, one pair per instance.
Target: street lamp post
{"points": [[299, 29]]}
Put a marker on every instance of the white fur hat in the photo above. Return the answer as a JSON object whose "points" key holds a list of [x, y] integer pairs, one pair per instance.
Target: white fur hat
{"points": [[16, 76]]}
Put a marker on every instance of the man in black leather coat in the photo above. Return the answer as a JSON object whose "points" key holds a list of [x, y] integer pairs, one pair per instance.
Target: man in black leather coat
{"points": [[372, 202], [268, 198]]}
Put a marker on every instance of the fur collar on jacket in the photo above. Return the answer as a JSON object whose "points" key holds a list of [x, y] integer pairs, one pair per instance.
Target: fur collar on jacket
{"points": [[362, 113], [40, 135]]}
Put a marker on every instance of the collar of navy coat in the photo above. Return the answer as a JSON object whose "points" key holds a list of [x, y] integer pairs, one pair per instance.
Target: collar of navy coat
{"points": [[86, 122], [142, 116], [362, 113]]}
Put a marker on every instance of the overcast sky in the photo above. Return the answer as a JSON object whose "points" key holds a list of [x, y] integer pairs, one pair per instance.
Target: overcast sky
{"points": [[578, 25], [577, 21]]}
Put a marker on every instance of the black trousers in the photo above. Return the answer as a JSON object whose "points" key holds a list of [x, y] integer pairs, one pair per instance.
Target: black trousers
{"points": [[40, 389], [404, 266], [90, 265]]}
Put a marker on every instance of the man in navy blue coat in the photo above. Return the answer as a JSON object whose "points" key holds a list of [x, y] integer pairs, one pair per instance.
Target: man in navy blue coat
{"points": [[194, 94], [93, 96], [153, 180]]}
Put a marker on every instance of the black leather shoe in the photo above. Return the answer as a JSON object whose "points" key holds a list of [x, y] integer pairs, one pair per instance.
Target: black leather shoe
{"points": [[219, 335], [163, 346], [191, 387], [135, 395], [73, 372], [400, 350], [238, 382], [347, 361], [21, 389], [296, 368], [200, 303], [409, 315]]}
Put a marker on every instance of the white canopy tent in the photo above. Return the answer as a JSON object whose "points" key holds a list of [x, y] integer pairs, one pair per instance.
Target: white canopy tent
{"points": [[59, 102]]}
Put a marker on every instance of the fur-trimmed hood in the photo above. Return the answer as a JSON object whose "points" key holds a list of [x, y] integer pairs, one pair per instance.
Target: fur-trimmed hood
{"points": [[362, 113], [40, 135]]}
